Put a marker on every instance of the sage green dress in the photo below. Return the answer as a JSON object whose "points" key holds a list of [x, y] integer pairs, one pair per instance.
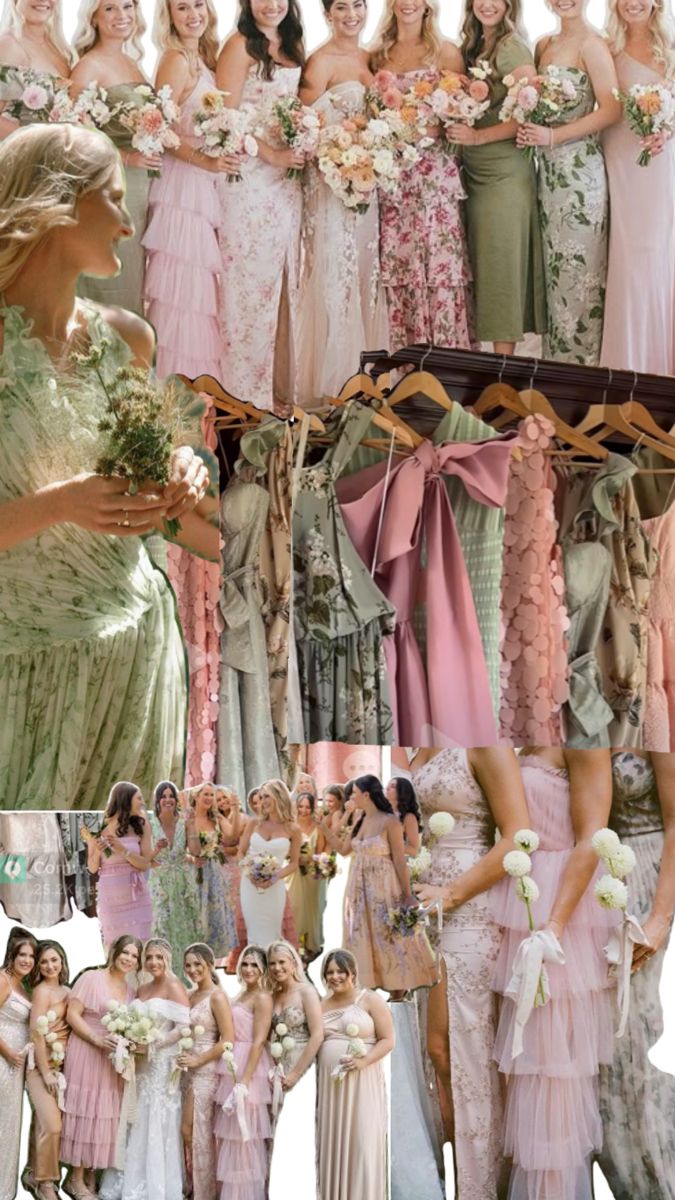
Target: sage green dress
{"points": [[126, 288], [92, 666], [574, 216], [503, 223]]}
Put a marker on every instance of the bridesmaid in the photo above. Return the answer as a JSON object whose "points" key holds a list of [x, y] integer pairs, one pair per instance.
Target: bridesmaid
{"points": [[50, 993], [502, 220], [334, 806], [15, 1009], [306, 890], [352, 1118], [343, 307], [173, 888], [210, 1013], [122, 856], [261, 214], [205, 832], [423, 254], [242, 1166], [573, 201], [482, 789], [227, 804], [378, 880], [401, 795], [32, 40], [107, 41], [636, 1098], [94, 1089], [639, 332]]}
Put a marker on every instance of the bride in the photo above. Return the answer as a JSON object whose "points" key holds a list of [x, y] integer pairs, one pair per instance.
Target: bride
{"points": [[342, 307], [276, 833]]}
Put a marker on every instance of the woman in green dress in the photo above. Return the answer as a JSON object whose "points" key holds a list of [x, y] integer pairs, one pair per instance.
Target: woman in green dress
{"points": [[92, 664], [173, 883], [573, 192], [108, 43], [503, 230]]}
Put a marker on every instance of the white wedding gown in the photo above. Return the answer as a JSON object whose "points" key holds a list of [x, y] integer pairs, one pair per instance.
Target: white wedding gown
{"points": [[263, 911]]}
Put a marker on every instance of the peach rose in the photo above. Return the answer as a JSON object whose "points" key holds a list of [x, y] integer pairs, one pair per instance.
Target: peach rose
{"points": [[478, 89]]}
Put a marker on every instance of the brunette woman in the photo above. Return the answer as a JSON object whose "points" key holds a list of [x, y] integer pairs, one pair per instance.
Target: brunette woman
{"points": [[50, 993], [15, 1009], [122, 856]]}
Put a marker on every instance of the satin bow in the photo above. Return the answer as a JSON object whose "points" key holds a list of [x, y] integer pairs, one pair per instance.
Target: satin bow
{"points": [[619, 954], [236, 1102], [528, 974]]}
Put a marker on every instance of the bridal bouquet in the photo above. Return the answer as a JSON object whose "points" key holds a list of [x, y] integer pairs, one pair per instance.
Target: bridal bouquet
{"points": [[539, 99], [290, 123], [91, 107], [356, 1048], [56, 1052], [132, 1025], [223, 130], [151, 122], [30, 96], [649, 108], [325, 865], [355, 157], [259, 868], [612, 892], [186, 1042]]}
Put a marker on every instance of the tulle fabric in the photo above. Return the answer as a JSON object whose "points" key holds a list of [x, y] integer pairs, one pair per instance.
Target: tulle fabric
{"points": [[242, 1167]]}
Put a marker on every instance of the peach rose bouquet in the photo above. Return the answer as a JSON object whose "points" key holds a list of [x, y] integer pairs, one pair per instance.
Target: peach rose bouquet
{"points": [[356, 156], [649, 110]]}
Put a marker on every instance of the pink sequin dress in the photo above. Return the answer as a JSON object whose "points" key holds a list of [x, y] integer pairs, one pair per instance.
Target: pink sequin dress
{"points": [[242, 1167], [93, 1087], [124, 903], [534, 619], [203, 1083], [553, 1120]]}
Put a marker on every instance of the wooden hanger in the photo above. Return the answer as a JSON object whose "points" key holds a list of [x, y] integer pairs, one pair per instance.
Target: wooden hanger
{"points": [[500, 395], [424, 382], [536, 402], [242, 409], [610, 418], [383, 416]]}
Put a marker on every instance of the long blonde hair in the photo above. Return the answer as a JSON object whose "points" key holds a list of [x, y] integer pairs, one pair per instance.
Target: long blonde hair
{"points": [[387, 36], [282, 947], [164, 34], [282, 799], [44, 170], [660, 29], [10, 22], [86, 33]]}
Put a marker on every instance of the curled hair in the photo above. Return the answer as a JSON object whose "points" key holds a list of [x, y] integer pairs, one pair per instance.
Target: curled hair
{"points": [[10, 22], [119, 805], [344, 960], [260, 957], [282, 947], [661, 33], [119, 946], [16, 938], [386, 36], [165, 37], [291, 36], [194, 793], [161, 787], [472, 45], [36, 976], [282, 799], [373, 786], [205, 955], [406, 799], [44, 171], [161, 944], [336, 790], [86, 33]]}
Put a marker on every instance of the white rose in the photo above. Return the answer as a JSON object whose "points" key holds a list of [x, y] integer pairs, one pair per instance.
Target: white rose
{"points": [[351, 1030], [517, 863], [378, 128], [605, 843], [526, 888], [186, 1032], [58, 1048], [527, 840], [42, 1025], [288, 1043], [51, 1016], [358, 1048], [383, 162], [623, 861], [282, 1029], [611, 892], [441, 823], [187, 1043], [199, 1030], [276, 1050]]}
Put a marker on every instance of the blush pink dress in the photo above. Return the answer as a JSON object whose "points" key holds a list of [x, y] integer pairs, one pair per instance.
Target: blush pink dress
{"points": [[242, 1167], [391, 516], [124, 903], [553, 1123], [659, 724], [93, 1088]]}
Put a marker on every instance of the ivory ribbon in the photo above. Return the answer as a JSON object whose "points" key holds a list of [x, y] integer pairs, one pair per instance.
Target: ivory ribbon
{"points": [[427, 910], [619, 954], [236, 1102], [276, 1076], [528, 973]]}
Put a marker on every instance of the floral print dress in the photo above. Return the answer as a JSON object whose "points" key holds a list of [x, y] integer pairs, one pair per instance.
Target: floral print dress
{"points": [[175, 894], [574, 217]]}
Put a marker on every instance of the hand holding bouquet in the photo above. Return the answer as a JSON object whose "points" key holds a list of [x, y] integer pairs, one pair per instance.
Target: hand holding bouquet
{"points": [[355, 157], [402, 920], [56, 1052], [186, 1043], [224, 131], [356, 1049], [30, 96], [260, 868], [325, 865], [287, 122], [461, 100], [612, 892], [150, 122], [133, 1026], [649, 110], [540, 100]]}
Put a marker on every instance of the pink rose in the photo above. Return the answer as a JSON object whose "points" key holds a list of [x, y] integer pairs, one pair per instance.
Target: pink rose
{"points": [[479, 89], [384, 79], [392, 97], [35, 97], [527, 98], [526, 71]]}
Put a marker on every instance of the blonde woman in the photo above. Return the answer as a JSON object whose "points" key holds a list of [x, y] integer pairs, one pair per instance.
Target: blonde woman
{"points": [[107, 42], [103, 649], [31, 39], [639, 331], [423, 254], [276, 834], [206, 832]]}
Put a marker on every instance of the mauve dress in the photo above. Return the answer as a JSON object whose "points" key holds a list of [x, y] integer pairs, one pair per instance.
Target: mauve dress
{"points": [[124, 901], [242, 1167]]}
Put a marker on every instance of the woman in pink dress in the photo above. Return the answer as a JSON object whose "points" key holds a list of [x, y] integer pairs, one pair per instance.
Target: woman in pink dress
{"points": [[423, 253], [260, 214], [122, 855], [243, 1162], [553, 1122], [212, 1026], [90, 1133], [639, 329]]}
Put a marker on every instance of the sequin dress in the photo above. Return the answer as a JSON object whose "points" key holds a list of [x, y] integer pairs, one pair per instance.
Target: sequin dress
{"points": [[202, 1082]]}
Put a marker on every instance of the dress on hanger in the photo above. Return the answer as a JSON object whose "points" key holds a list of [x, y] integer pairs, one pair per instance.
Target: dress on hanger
{"points": [[659, 717], [242, 1167], [391, 514], [352, 1117], [574, 214], [534, 655], [552, 1118], [639, 329], [80, 884], [14, 1017], [343, 308], [637, 1100], [259, 235], [41, 899], [202, 1082], [341, 618], [423, 254], [174, 893], [124, 900]]}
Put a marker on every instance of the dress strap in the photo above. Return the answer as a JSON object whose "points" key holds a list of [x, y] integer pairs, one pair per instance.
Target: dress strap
{"points": [[354, 421]]}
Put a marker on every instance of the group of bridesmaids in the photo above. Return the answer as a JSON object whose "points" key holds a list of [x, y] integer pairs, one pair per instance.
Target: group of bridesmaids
{"points": [[199, 1111], [273, 284]]}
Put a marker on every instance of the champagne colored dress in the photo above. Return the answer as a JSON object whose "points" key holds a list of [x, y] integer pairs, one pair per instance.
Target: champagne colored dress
{"points": [[242, 1167], [352, 1115], [44, 1142], [203, 1084], [639, 329], [14, 1017], [307, 895], [124, 900], [659, 723], [93, 685]]}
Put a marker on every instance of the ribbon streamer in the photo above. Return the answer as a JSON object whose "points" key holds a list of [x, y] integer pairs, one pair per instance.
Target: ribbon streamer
{"points": [[276, 1075], [619, 954], [236, 1102], [61, 1091], [427, 910], [528, 971]]}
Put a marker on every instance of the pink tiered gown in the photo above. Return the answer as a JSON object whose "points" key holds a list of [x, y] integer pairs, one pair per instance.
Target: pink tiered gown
{"points": [[553, 1123], [242, 1167], [124, 902]]}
